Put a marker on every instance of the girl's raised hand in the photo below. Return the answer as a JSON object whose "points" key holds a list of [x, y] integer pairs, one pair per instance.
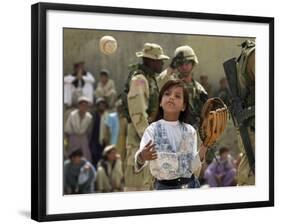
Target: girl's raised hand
{"points": [[148, 152]]}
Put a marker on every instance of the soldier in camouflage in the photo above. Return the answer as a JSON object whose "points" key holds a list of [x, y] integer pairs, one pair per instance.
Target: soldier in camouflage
{"points": [[246, 78], [141, 92], [181, 67]]}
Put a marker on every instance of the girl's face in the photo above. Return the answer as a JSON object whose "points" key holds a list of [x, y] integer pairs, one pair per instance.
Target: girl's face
{"points": [[172, 100]]}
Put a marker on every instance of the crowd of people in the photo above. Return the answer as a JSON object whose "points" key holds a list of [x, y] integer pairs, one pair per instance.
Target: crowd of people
{"points": [[144, 138]]}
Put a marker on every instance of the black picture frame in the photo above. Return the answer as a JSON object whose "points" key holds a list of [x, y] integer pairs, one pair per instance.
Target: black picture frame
{"points": [[39, 112]]}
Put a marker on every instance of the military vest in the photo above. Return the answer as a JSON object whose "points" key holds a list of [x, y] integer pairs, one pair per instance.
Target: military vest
{"points": [[153, 103], [246, 83]]}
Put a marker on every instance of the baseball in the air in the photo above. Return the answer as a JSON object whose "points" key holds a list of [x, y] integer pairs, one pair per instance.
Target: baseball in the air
{"points": [[108, 45]]}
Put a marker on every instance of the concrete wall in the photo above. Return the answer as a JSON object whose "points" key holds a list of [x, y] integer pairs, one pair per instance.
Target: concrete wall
{"points": [[81, 44]]}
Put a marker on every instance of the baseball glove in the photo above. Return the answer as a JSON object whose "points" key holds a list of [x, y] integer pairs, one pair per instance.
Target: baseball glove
{"points": [[213, 121]]}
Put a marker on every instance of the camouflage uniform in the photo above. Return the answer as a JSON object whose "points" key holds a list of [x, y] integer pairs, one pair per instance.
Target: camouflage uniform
{"points": [[142, 106], [197, 93], [197, 96], [246, 77]]}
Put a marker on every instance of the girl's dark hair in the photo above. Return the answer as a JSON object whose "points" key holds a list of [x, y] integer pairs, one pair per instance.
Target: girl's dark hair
{"points": [[183, 114]]}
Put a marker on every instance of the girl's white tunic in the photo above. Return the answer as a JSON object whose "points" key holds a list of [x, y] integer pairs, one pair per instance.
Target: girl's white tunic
{"points": [[176, 146]]}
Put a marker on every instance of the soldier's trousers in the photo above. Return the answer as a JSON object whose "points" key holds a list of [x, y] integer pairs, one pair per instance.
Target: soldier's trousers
{"points": [[142, 180]]}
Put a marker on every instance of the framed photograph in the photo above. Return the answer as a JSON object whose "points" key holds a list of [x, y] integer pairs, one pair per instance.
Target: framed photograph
{"points": [[97, 77]]}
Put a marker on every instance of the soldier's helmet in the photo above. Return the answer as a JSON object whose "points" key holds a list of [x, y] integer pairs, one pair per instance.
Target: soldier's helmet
{"points": [[186, 53], [153, 51], [248, 44]]}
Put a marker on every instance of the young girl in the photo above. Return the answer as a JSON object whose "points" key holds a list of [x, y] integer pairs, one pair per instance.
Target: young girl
{"points": [[169, 144]]}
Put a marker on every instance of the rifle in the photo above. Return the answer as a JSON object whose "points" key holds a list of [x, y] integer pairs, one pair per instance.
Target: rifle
{"points": [[239, 114]]}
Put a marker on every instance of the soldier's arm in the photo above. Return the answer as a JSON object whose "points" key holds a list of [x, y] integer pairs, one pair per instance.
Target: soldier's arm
{"points": [[203, 97], [138, 103], [251, 65], [202, 92], [164, 77]]}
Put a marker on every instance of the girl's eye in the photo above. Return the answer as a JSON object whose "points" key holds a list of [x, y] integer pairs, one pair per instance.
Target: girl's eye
{"points": [[167, 93], [178, 96]]}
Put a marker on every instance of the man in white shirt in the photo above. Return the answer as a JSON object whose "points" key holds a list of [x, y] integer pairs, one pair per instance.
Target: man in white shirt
{"points": [[77, 128], [80, 83]]}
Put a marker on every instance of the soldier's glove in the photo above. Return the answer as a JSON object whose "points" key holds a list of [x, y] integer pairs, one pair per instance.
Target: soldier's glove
{"points": [[174, 63], [177, 61], [213, 121]]}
